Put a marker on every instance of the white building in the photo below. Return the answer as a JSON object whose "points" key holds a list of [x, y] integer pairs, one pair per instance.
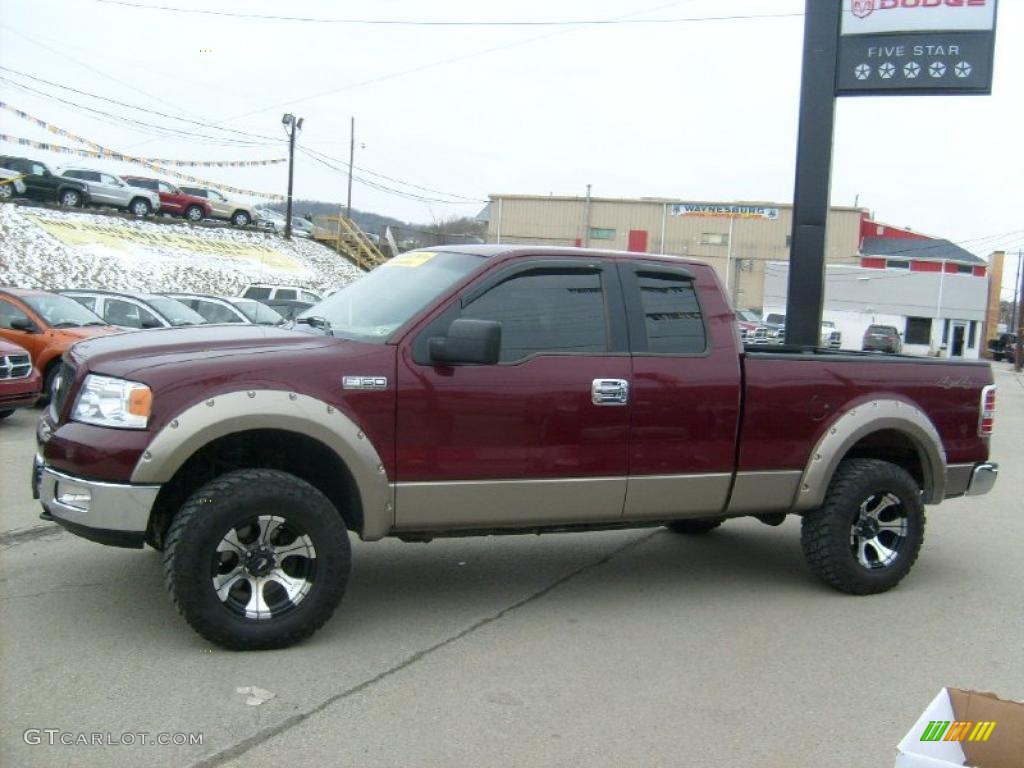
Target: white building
{"points": [[932, 291]]}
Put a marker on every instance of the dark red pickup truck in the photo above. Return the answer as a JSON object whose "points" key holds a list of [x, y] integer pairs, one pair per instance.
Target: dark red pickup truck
{"points": [[492, 389]]}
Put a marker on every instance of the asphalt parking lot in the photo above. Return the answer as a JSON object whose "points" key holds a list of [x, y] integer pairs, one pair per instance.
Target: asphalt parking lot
{"points": [[602, 649]]}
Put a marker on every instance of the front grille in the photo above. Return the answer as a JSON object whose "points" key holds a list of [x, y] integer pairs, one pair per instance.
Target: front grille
{"points": [[62, 382], [15, 366]]}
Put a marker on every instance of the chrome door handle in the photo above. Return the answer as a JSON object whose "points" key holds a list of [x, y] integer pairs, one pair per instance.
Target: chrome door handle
{"points": [[609, 392]]}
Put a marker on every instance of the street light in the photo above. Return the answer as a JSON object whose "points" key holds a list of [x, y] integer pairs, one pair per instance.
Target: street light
{"points": [[291, 127]]}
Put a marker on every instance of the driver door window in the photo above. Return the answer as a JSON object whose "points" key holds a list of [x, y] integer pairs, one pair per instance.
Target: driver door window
{"points": [[546, 311]]}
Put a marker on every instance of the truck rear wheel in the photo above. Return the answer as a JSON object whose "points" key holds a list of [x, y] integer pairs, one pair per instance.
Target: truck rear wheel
{"points": [[694, 527], [257, 559], [866, 536]]}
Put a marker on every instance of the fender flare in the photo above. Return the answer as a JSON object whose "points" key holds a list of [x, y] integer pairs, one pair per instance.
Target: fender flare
{"points": [[860, 421], [231, 412]]}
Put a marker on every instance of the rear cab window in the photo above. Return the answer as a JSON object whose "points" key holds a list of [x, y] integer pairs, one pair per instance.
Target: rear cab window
{"points": [[257, 293], [665, 316]]}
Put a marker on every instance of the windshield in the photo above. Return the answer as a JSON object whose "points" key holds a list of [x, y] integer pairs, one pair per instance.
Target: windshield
{"points": [[62, 312], [259, 313], [175, 312], [749, 315], [376, 305]]}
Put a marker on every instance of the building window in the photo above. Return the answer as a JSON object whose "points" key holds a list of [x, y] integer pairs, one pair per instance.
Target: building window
{"points": [[945, 332], [918, 330], [600, 233], [964, 269], [714, 238], [972, 333], [896, 264]]}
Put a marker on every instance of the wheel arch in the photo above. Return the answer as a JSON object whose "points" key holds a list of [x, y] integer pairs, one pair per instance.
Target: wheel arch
{"points": [[888, 429], [276, 429]]}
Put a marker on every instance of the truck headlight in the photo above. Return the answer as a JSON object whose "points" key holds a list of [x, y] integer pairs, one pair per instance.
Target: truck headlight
{"points": [[109, 402]]}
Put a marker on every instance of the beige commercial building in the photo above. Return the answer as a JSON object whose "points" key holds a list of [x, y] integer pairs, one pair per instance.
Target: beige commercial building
{"points": [[738, 239]]}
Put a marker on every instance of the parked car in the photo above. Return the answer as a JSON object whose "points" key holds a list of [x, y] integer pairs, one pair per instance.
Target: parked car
{"points": [[46, 324], [20, 382], [302, 227], [234, 310], [830, 337], [1003, 347], [494, 389], [753, 330], [239, 214], [136, 310], [43, 185], [882, 338], [107, 189], [288, 300], [258, 312], [172, 200], [11, 184], [270, 220]]}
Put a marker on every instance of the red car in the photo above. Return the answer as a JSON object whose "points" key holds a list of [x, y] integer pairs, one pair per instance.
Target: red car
{"points": [[20, 382], [172, 199]]}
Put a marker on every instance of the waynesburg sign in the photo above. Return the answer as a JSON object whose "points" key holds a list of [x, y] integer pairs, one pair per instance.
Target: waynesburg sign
{"points": [[916, 46]]}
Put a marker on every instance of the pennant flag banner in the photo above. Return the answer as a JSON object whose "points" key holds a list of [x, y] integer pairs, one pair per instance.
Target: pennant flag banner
{"points": [[156, 164]]}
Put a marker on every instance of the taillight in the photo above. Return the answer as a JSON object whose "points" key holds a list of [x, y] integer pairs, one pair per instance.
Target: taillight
{"points": [[988, 410]]}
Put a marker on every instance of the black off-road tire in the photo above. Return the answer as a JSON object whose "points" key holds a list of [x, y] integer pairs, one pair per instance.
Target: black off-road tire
{"points": [[826, 534], [203, 521], [695, 527]]}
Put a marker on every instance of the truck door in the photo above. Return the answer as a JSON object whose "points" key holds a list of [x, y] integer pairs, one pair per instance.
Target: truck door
{"points": [[685, 393], [539, 438]]}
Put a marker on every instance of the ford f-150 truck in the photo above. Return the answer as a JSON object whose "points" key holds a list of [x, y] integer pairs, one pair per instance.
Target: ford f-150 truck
{"points": [[492, 389]]}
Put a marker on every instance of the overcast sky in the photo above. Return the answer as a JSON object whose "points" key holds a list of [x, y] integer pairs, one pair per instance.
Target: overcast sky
{"points": [[687, 110]]}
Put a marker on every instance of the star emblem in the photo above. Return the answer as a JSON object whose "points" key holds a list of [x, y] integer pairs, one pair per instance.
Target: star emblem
{"points": [[936, 69], [963, 69], [887, 70], [862, 71], [911, 70]]}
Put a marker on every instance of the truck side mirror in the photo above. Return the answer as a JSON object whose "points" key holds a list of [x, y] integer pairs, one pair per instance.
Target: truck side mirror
{"points": [[23, 324], [472, 342]]}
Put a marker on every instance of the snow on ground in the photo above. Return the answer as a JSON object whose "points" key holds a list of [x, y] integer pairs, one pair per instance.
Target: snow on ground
{"points": [[45, 248]]}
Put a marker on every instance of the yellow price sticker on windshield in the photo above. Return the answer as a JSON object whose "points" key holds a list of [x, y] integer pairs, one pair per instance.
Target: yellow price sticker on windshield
{"points": [[413, 259]]}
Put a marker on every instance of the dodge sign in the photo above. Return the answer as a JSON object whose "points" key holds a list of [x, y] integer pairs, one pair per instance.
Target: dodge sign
{"points": [[916, 46]]}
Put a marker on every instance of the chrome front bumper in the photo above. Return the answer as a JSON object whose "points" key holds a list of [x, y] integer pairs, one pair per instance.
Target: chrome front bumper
{"points": [[983, 477], [109, 513]]}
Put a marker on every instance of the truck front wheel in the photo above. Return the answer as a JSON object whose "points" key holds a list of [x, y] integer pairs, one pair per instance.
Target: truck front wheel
{"points": [[257, 559], [866, 536]]}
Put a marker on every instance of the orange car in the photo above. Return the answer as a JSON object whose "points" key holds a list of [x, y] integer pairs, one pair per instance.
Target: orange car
{"points": [[46, 324]]}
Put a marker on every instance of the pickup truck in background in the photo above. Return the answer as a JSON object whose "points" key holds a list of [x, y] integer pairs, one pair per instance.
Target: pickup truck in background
{"points": [[472, 390]]}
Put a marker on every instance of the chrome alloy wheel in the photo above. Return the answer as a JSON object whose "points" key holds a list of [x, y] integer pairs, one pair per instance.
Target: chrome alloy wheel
{"points": [[264, 568], [879, 531]]}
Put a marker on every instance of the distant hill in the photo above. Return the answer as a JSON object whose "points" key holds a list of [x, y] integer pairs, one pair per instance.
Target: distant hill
{"points": [[408, 235]]}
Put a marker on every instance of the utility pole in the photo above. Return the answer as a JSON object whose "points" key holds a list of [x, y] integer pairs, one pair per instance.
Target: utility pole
{"points": [[1016, 295], [292, 127], [586, 220], [1019, 318], [351, 161]]}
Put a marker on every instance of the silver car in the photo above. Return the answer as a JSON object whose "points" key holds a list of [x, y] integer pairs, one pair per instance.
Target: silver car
{"points": [[107, 189], [239, 214]]}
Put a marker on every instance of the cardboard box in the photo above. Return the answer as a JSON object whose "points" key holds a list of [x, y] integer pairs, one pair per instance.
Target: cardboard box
{"points": [[965, 728]]}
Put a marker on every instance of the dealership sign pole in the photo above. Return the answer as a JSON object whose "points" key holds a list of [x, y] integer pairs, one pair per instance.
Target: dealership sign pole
{"points": [[869, 48]]}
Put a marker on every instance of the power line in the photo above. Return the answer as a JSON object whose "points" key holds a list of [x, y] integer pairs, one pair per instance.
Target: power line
{"points": [[441, 23], [385, 188], [142, 126], [204, 124]]}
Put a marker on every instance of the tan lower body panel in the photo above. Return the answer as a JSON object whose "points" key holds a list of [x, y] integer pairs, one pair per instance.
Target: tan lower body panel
{"points": [[508, 503], [667, 497], [764, 492]]}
